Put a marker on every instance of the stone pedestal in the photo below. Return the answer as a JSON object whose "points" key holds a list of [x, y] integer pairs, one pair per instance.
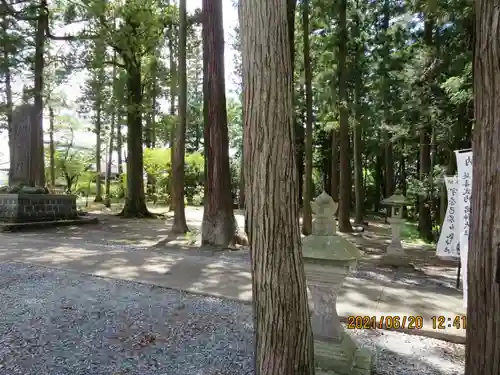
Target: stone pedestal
{"points": [[21, 208], [328, 259], [395, 247]]}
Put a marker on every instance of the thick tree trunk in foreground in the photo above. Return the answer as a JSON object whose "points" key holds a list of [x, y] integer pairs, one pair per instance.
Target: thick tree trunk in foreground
{"points": [[179, 225], [284, 342], [483, 318], [219, 226]]}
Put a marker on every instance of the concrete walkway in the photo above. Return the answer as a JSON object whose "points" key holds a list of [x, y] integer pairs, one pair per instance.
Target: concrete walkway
{"points": [[229, 277]]}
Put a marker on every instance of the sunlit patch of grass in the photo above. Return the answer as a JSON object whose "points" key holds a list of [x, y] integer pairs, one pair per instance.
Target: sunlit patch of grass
{"points": [[410, 234]]}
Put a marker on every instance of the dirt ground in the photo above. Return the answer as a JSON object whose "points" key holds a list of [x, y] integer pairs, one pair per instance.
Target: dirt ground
{"points": [[154, 235]]}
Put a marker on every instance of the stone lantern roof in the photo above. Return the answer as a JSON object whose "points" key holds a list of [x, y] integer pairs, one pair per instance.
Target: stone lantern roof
{"points": [[396, 200]]}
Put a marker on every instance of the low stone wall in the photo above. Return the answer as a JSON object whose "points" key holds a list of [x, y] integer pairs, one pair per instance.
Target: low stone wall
{"points": [[37, 207]]}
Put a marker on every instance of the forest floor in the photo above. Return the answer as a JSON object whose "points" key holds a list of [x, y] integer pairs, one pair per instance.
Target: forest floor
{"points": [[48, 280]]}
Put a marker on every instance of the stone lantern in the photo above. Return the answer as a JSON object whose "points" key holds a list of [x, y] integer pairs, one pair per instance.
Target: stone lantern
{"points": [[396, 203], [328, 259], [395, 254]]}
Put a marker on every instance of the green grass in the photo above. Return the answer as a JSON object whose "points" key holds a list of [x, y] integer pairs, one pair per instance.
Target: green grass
{"points": [[409, 233]]}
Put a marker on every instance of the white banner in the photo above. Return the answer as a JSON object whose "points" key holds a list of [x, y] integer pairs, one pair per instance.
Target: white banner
{"points": [[464, 167], [447, 245]]}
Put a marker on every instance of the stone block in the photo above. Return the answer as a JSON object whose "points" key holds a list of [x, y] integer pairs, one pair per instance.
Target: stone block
{"points": [[37, 207], [343, 357]]}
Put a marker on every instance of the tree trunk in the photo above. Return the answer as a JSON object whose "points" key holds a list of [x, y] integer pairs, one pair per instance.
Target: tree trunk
{"points": [[241, 195], [8, 90], [179, 225], [219, 226], [357, 136], [308, 185], [386, 136], [389, 166], [37, 113], [378, 182], [424, 211], [299, 130], [345, 170], [135, 200], [284, 341], [173, 96], [98, 185], [109, 162], [334, 168], [119, 144], [149, 130], [483, 320], [424, 203], [52, 150]]}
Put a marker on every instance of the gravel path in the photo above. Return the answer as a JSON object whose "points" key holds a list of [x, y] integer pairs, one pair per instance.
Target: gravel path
{"points": [[56, 322]]}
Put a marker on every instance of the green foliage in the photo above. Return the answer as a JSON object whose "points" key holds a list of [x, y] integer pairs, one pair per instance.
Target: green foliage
{"points": [[194, 170], [157, 163]]}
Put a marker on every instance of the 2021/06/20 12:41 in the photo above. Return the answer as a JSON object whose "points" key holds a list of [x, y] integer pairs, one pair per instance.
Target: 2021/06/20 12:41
{"points": [[443, 322]]}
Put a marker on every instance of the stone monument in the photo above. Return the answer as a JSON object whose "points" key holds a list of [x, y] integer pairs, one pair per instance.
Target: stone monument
{"points": [[328, 259], [395, 254], [26, 150], [26, 199]]}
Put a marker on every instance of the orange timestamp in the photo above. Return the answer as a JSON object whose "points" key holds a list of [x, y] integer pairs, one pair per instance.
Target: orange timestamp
{"points": [[385, 322], [454, 321]]}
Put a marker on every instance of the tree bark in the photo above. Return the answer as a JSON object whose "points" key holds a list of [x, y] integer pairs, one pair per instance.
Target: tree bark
{"points": [[357, 136], [8, 89], [307, 213], [135, 200], [98, 184], [241, 195], [219, 226], [483, 319], [386, 136], [173, 95], [378, 182], [179, 225], [345, 170], [284, 341], [424, 202], [109, 162], [52, 150], [335, 173], [37, 114]]}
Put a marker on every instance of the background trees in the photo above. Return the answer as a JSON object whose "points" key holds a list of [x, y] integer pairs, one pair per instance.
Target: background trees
{"points": [[388, 93]]}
